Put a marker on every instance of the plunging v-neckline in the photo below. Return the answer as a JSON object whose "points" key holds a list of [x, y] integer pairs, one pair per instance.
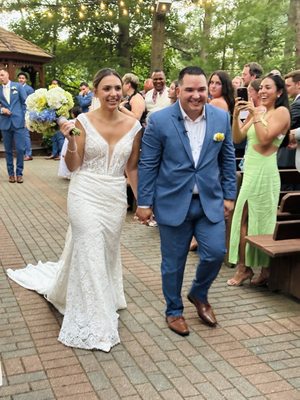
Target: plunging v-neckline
{"points": [[111, 150]]}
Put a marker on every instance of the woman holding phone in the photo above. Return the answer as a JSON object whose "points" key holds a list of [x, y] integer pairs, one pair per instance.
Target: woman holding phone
{"points": [[256, 206]]}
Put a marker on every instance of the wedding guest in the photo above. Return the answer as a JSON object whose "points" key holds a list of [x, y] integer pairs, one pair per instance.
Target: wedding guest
{"points": [[173, 91], [286, 154], [157, 98], [148, 85], [256, 207], [57, 141], [86, 283], [85, 96], [134, 105], [12, 124], [237, 82], [250, 72], [187, 176], [221, 91], [22, 79]]}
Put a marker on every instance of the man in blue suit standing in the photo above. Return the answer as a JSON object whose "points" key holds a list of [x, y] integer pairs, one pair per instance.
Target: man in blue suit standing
{"points": [[85, 97], [12, 124], [187, 178], [22, 78]]}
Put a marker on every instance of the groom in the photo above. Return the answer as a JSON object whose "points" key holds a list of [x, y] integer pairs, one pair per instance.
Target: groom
{"points": [[12, 124], [187, 178]]}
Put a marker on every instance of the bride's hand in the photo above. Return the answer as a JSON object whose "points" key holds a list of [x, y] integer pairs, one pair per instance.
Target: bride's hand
{"points": [[66, 129]]}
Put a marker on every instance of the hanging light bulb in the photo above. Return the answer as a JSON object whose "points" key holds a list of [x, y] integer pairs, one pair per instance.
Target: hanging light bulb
{"points": [[102, 5], [125, 12], [81, 14], [110, 13], [122, 4], [49, 14], [137, 10], [83, 7], [96, 13]]}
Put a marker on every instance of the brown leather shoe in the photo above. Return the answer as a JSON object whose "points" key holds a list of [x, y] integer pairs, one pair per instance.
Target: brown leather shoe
{"points": [[178, 325], [19, 179], [11, 179], [205, 311], [27, 158]]}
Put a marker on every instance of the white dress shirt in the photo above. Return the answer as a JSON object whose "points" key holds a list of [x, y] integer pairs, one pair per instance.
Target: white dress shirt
{"points": [[196, 132], [6, 91]]}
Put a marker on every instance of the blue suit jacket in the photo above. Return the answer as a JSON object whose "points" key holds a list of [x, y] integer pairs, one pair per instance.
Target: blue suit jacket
{"points": [[85, 101], [17, 107], [167, 173], [28, 89]]}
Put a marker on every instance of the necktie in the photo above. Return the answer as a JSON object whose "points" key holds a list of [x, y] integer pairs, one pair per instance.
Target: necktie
{"points": [[6, 92]]}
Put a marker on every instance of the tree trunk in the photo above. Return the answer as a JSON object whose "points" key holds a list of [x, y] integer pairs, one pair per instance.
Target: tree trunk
{"points": [[123, 46], [206, 30], [289, 45], [158, 38], [297, 23]]}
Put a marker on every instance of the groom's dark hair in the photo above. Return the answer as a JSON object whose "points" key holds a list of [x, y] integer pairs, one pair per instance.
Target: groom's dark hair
{"points": [[190, 71]]}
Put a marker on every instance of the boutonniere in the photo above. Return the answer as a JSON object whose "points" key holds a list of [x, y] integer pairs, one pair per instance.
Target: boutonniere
{"points": [[219, 137], [14, 90]]}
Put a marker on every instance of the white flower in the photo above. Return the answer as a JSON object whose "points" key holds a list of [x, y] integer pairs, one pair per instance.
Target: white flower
{"points": [[219, 137], [56, 97]]}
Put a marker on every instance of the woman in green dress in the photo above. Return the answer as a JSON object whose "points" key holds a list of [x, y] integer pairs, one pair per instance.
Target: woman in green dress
{"points": [[256, 206]]}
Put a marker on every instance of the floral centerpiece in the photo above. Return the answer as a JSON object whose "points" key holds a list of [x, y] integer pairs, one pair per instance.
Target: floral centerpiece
{"points": [[46, 109]]}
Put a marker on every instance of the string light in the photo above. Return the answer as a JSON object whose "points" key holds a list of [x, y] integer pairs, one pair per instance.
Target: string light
{"points": [[102, 5], [83, 7], [125, 12], [110, 13], [122, 4], [81, 14], [96, 13]]}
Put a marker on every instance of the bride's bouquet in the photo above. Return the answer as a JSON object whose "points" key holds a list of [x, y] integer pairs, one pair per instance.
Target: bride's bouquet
{"points": [[47, 109]]}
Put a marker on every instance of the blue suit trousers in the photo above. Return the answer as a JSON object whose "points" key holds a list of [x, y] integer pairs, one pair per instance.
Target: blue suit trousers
{"points": [[14, 136], [175, 242]]}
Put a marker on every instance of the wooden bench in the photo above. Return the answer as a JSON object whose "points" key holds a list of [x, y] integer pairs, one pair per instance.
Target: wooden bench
{"points": [[284, 248]]}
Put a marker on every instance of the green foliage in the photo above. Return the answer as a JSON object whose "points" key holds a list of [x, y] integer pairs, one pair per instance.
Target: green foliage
{"points": [[240, 31]]}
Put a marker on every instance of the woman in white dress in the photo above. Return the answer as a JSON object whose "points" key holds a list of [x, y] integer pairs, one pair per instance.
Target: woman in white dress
{"points": [[86, 283]]}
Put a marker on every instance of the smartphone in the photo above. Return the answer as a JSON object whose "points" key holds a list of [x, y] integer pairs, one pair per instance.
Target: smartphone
{"points": [[242, 92]]}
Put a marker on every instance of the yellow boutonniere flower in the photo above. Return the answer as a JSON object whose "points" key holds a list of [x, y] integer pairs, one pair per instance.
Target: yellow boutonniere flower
{"points": [[219, 137]]}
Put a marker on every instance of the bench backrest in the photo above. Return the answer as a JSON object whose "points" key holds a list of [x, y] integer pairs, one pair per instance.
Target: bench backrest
{"points": [[290, 203], [287, 230]]}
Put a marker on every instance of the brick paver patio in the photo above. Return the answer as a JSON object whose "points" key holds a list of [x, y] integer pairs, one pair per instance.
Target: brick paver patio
{"points": [[254, 353]]}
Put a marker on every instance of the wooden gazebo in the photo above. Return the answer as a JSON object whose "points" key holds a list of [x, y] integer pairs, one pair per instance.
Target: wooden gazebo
{"points": [[18, 54]]}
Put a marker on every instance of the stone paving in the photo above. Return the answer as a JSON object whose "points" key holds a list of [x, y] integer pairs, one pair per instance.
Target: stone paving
{"points": [[254, 353]]}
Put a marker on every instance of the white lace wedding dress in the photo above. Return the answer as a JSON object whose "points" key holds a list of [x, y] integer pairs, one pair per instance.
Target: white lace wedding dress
{"points": [[86, 283]]}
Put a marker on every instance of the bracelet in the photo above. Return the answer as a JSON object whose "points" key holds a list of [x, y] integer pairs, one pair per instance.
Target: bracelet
{"points": [[72, 151]]}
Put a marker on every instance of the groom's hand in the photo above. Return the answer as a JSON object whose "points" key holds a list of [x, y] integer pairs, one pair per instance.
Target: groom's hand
{"points": [[228, 207], [144, 214]]}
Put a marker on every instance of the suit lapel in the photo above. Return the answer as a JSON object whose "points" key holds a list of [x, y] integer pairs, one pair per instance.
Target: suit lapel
{"points": [[181, 131]]}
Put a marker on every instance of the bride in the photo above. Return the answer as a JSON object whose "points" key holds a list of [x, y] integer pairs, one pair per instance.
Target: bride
{"points": [[86, 285]]}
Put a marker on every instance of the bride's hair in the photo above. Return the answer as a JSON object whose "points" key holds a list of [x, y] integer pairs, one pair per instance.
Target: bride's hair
{"points": [[102, 74]]}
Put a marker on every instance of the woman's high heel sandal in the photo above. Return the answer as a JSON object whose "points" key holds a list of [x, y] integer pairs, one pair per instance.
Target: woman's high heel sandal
{"points": [[244, 276], [259, 281]]}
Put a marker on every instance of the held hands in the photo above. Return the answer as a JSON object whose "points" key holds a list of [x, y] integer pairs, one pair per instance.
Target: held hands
{"points": [[144, 214], [228, 207]]}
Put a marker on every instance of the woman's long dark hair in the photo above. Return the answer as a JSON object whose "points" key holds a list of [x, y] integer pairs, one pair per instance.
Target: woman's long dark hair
{"points": [[282, 100], [227, 88]]}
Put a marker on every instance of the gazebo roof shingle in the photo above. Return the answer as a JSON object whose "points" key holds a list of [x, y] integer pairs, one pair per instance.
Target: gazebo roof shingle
{"points": [[11, 43]]}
